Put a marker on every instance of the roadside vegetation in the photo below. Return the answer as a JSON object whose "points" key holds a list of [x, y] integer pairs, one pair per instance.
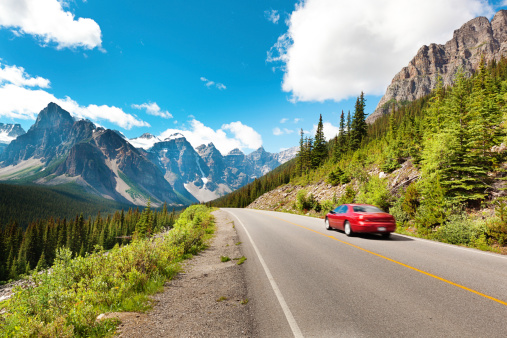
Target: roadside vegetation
{"points": [[21, 250], [455, 138], [66, 300]]}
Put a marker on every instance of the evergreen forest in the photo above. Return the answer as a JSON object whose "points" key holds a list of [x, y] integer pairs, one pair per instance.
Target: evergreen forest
{"points": [[35, 248]]}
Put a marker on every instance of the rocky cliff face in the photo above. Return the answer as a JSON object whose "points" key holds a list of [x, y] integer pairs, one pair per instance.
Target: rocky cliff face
{"points": [[476, 38]]}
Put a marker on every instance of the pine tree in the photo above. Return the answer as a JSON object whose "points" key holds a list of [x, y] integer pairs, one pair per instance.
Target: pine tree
{"points": [[319, 145], [301, 154], [358, 127]]}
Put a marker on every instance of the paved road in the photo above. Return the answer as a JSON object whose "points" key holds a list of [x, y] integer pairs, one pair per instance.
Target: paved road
{"points": [[305, 281]]}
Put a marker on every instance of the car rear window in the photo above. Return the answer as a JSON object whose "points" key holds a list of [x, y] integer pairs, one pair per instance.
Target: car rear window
{"points": [[366, 208]]}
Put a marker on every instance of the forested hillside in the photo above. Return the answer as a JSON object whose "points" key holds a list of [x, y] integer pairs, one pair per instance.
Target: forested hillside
{"points": [[23, 250], [25, 204], [454, 137]]}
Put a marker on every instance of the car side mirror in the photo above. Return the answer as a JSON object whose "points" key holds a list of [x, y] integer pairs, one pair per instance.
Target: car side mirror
{"points": [[332, 212]]}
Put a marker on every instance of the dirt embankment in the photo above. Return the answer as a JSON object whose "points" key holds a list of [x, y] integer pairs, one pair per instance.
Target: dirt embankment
{"points": [[284, 197]]}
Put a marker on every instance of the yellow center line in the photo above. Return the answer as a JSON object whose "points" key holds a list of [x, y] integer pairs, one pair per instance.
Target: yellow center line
{"points": [[395, 261]]}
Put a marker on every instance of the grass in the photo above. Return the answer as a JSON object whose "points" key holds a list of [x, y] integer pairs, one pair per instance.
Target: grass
{"points": [[67, 301], [221, 299], [241, 260], [239, 243], [224, 259], [244, 301]]}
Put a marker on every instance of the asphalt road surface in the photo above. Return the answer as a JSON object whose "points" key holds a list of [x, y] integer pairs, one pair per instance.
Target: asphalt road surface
{"points": [[306, 281]]}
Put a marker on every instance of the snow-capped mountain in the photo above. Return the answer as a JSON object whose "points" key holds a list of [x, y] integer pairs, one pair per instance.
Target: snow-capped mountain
{"points": [[145, 141]]}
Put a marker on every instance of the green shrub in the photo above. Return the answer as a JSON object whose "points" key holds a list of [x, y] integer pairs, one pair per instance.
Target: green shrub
{"points": [[337, 176], [375, 192], [348, 196], [327, 206], [302, 202], [460, 229], [399, 213]]}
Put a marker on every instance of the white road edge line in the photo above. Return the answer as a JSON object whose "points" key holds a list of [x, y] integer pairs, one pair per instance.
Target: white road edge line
{"points": [[288, 314]]}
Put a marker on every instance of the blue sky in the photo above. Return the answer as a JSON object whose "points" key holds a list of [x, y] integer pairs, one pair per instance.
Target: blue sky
{"points": [[238, 73]]}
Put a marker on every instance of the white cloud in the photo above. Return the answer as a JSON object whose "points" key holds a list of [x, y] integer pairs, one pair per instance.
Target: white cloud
{"points": [[18, 77], [248, 137], [330, 131], [48, 21], [209, 84], [277, 131], [153, 109], [272, 15], [296, 120], [284, 120], [239, 136], [20, 102], [336, 49]]}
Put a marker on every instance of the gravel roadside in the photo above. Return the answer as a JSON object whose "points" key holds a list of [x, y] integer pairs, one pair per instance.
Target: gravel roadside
{"points": [[208, 299]]}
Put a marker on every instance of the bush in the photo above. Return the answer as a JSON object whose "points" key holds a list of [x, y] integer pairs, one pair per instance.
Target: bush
{"points": [[461, 229], [348, 196], [302, 203], [399, 213], [327, 206], [375, 192], [337, 177]]}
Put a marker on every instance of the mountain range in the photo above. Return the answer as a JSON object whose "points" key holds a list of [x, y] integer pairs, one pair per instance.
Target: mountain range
{"points": [[59, 150]]}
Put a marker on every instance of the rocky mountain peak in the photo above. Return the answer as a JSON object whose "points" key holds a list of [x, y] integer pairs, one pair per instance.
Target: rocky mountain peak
{"points": [[477, 38], [54, 117], [174, 136], [235, 151], [147, 136]]}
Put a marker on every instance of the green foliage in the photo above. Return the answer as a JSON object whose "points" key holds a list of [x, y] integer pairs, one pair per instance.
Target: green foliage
{"points": [[302, 202], [411, 201], [460, 229], [327, 206], [241, 260], [338, 176], [224, 259], [22, 251], [399, 213], [375, 192], [66, 301], [348, 196]]}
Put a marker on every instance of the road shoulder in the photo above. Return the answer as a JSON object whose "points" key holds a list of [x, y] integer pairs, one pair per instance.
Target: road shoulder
{"points": [[207, 299]]}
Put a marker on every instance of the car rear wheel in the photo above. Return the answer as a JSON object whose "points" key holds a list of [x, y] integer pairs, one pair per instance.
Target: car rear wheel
{"points": [[347, 229], [328, 227]]}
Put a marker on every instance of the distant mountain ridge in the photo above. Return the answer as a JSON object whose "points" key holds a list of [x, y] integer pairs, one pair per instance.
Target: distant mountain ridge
{"points": [[476, 38], [8, 133], [59, 150]]}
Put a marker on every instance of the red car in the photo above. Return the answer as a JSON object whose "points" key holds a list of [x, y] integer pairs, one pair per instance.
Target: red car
{"points": [[364, 218]]}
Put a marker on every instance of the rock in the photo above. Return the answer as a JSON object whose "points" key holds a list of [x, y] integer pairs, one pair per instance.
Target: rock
{"points": [[475, 38]]}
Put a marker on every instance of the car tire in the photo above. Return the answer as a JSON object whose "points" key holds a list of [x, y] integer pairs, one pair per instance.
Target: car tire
{"points": [[328, 226], [347, 229], [386, 235]]}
